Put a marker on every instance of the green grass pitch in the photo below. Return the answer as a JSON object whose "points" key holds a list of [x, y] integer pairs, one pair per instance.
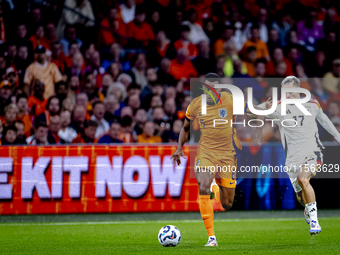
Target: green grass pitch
{"points": [[234, 236]]}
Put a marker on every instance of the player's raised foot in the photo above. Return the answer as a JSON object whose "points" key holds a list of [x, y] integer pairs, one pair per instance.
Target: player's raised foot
{"points": [[315, 228], [307, 218], [212, 194], [212, 241]]}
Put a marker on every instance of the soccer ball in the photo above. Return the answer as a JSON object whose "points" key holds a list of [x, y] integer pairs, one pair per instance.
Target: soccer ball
{"points": [[169, 235]]}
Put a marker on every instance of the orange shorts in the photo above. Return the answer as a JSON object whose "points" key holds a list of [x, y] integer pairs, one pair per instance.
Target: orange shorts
{"points": [[223, 166]]}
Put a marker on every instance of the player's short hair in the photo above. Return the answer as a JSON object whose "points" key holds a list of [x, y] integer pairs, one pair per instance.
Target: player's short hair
{"points": [[291, 79], [212, 77]]}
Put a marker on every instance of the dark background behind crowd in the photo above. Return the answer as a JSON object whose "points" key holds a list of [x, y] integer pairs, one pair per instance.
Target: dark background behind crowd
{"points": [[95, 71]]}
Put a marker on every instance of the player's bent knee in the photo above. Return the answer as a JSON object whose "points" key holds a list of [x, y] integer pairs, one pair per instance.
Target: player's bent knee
{"points": [[303, 182], [227, 205], [204, 187]]}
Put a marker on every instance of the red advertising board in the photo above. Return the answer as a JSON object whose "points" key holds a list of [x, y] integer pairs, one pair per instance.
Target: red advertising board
{"points": [[95, 179]]}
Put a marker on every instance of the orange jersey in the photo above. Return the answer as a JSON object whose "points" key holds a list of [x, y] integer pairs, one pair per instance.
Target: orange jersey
{"points": [[222, 137]]}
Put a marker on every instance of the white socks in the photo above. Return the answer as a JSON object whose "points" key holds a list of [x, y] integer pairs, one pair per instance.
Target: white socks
{"points": [[212, 237], [312, 211]]}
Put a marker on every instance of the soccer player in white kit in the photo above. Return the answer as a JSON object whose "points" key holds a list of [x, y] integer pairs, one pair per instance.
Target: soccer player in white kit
{"points": [[302, 145]]}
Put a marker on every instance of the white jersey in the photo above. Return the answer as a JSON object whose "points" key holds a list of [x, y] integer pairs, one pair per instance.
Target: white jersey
{"points": [[299, 132]]}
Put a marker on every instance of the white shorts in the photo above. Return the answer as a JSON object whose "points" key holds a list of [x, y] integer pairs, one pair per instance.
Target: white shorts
{"points": [[312, 161]]}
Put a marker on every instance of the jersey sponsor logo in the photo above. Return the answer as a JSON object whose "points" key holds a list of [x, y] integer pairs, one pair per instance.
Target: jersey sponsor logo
{"points": [[222, 112]]}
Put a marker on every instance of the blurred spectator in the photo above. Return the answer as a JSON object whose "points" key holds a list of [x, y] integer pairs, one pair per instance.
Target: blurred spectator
{"points": [[75, 12], [106, 82], [70, 36], [12, 76], [155, 55], [261, 21], [54, 127], [9, 136], [67, 105], [220, 43], [333, 109], [52, 109], [66, 132], [170, 109], [173, 134], [134, 89], [255, 41], [184, 42], [197, 33], [39, 38], [87, 135], [112, 29], [113, 135], [95, 67], [40, 134], [126, 130], [163, 73], [61, 89], [140, 120], [277, 58], [204, 62], [127, 10], [11, 113], [331, 79], [294, 56], [318, 67], [125, 79], [98, 117], [322, 95], [23, 115], [126, 111], [115, 57], [138, 69], [79, 117], [46, 72], [300, 73], [329, 46], [148, 134], [309, 31], [111, 106], [37, 102], [22, 39], [260, 71], [250, 61], [118, 90], [5, 91], [21, 137], [282, 28], [139, 30], [182, 67]]}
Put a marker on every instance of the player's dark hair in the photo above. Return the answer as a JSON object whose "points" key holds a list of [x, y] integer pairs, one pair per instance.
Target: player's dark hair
{"points": [[212, 77]]}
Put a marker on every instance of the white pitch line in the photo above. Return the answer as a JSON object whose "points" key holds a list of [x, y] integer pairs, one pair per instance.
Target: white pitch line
{"points": [[153, 221]]}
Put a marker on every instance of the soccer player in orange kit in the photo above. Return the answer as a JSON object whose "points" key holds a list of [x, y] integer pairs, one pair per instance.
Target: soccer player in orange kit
{"points": [[217, 147]]}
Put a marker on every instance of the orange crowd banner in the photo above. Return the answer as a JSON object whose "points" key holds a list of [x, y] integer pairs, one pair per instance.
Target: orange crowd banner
{"points": [[94, 179]]}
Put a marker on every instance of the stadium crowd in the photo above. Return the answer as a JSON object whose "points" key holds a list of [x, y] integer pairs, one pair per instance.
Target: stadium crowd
{"points": [[105, 71]]}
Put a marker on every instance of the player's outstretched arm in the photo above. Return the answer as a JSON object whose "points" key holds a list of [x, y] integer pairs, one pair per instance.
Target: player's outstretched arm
{"points": [[183, 137], [328, 125]]}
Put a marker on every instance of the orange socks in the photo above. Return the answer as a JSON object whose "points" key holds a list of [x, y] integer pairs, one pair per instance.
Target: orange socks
{"points": [[207, 213], [216, 191]]}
